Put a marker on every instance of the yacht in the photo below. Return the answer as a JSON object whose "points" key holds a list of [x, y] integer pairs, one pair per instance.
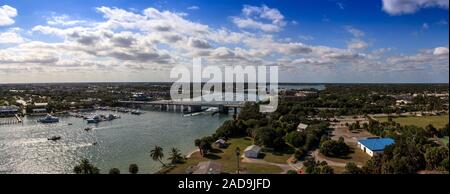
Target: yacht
{"points": [[54, 138], [94, 119], [49, 119], [136, 112]]}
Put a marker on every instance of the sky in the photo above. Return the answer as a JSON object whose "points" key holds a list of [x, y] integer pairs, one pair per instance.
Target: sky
{"points": [[311, 41]]}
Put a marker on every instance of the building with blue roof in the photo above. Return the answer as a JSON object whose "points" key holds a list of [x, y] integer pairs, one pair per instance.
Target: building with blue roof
{"points": [[374, 146]]}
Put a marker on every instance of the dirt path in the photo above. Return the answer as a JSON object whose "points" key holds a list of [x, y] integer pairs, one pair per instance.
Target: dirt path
{"points": [[285, 167], [317, 156]]}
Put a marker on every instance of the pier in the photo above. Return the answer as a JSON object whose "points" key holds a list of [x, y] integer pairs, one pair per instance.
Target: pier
{"points": [[10, 120]]}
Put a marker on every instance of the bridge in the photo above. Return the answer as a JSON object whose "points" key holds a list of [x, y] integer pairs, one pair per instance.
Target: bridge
{"points": [[186, 106]]}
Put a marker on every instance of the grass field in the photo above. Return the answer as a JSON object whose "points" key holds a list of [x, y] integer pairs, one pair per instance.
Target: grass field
{"points": [[358, 157], [227, 158], [278, 157], [444, 140], [436, 121]]}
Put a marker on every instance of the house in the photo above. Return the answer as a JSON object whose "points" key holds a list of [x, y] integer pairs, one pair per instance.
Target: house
{"points": [[40, 105], [208, 167], [8, 110], [221, 143], [252, 151], [301, 127], [374, 146]]}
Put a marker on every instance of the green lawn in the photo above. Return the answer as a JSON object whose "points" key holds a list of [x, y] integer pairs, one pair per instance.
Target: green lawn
{"points": [[277, 156], [227, 158], [444, 140], [437, 121], [358, 157]]}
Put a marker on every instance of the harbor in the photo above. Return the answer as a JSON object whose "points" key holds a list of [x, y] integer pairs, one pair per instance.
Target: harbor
{"points": [[33, 147]]}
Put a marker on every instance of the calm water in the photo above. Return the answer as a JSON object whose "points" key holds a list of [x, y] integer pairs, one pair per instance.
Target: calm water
{"points": [[25, 148]]}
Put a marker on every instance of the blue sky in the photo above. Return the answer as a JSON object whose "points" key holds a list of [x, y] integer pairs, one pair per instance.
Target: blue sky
{"points": [[316, 41]]}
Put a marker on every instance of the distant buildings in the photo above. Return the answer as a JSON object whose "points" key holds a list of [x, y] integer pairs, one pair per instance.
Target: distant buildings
{"points": [[39, 108], [8, 110], [374, 146], [252, 151]]}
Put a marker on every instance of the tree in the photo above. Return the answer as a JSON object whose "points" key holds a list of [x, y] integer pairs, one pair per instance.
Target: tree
{"points": [[334, 148], [204, 145], [238, 156], [85, 167], [431, 130], [157, 154], [133, 169], [435, 156], [352, 168], [175, 156], [295, 138], [114, 171]]}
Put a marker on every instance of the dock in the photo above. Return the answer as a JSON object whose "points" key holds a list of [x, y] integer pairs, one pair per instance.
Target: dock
{"points": [[16, 119]]}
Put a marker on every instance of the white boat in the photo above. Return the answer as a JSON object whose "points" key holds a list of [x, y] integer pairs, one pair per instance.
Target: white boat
{"points": [[49, 119], [136, 112], [94, 119]]}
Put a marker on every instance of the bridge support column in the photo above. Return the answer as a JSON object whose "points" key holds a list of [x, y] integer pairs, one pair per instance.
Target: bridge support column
{"points": [[223, 110], [195, 108]]}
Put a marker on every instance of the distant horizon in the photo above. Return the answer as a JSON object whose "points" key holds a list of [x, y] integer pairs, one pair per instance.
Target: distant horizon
{"points": [[348, 41], [280, 83]]}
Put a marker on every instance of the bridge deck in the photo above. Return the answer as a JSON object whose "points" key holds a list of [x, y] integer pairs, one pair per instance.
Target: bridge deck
{"points": [[187, 103]]}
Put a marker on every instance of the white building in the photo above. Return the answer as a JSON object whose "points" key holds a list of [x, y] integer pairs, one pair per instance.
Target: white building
{"points": [[374, 146], [302, 127], [252, 151]]}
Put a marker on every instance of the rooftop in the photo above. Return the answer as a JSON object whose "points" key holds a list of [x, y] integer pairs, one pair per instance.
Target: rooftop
{"points": [[254, 148], [377, 144]]}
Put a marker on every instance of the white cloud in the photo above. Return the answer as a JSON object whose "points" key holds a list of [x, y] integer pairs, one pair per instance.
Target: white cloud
{"points": [[398, 7], [355, 32], [425, 26], [252, 24], [130, 41], [340, 5], [440, 51], [7, 13], [194, 7], [64, 20], [11, 36], [260, 18]]}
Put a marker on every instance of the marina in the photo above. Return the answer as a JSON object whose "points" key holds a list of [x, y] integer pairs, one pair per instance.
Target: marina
{"points": [[34, 147]]}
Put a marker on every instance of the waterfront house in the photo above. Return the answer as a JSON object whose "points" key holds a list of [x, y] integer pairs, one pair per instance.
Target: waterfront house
{"points": [[374, 146], [208, 167], [221, 143], [252, 151], [302, 127], [8, 110]]}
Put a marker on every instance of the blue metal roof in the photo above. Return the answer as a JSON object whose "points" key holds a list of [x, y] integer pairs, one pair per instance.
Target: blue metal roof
{"points": [[376, 144]]}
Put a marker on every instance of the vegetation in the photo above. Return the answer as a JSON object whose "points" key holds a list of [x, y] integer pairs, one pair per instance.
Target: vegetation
{"points": [[423, 121], [175, 156], [333, 148], [114, 171], [133, 169], [85, 167], [313, 167], [157, 154]]}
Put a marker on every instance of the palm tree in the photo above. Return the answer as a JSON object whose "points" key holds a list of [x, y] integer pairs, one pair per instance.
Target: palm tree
{"points": [[85, 167], [238, 153], [133, 169], [175, 156], [157, 154]]}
